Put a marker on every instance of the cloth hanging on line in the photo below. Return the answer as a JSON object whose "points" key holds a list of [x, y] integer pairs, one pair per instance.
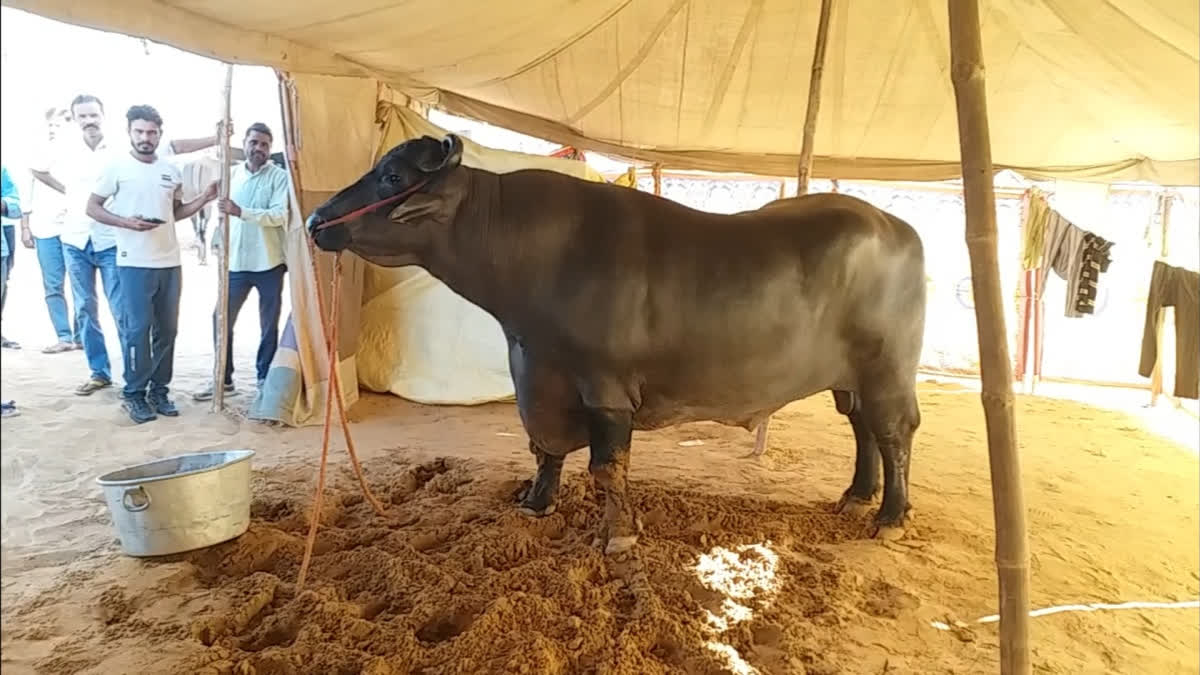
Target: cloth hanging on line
{"points": [[1037, 210], [1078, 257], [1096, 259], [1176, 287]]}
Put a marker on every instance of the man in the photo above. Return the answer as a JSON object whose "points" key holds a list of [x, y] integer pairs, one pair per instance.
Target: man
{"points": [[41, 227], [258, 212], [10, 207], [143, 196], [89, 247], [8, 230]]}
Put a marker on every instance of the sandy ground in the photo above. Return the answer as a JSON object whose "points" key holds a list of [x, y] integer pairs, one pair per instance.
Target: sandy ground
{"points": [[741, 566]]}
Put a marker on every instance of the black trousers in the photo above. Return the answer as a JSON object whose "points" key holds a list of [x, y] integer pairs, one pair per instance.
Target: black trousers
{"points": [[1176, 287]]}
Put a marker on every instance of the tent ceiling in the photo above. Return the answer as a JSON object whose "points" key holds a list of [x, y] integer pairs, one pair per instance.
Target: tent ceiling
{"points": [[1092, 89]]}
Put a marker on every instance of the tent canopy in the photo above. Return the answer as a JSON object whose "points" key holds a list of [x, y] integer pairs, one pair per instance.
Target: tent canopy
{"points": [[1103, 90]]}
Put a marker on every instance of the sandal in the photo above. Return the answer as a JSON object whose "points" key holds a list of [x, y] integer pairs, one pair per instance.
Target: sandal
{"points": [[93, 385], [59, 348]]}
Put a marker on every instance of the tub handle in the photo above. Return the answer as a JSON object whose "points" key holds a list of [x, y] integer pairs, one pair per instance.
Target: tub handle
{"points": [[135, 499]]}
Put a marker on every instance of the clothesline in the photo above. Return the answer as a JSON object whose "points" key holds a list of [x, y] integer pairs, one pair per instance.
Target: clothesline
{"points": [[1078, 256]]}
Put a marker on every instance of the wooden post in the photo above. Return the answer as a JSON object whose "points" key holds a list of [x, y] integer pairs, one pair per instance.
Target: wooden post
{"points": [[656, 173], [804, 169], [223, 346], [995, 367]]}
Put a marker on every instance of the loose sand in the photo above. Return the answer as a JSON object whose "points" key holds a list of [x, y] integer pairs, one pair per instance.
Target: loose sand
{"points": [[741, 566]]}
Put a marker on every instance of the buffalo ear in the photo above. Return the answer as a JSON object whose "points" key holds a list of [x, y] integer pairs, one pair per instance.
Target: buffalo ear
{"points": [[452, 147], [447, 156]]}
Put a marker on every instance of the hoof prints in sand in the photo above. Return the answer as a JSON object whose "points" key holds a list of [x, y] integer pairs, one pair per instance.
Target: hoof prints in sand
{"points": [[453, 580]]}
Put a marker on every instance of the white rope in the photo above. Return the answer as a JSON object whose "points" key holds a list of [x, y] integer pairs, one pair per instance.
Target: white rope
{"points": [[1091, 607]]}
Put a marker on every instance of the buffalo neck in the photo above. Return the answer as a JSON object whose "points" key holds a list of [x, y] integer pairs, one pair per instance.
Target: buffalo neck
{"points": [[468, 254]]}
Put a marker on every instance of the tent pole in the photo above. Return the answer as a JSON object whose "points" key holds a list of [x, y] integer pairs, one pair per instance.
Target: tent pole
{"points": [[1012, 548], [223, 345], [656, 173], [804, 169]]}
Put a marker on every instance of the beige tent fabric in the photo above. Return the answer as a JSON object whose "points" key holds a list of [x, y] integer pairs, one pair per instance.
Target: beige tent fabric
{"points": [[1095, 90], [297, 384]]}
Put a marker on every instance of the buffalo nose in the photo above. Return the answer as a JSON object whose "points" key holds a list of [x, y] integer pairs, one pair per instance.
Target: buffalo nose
{"points": [[314, 222]]}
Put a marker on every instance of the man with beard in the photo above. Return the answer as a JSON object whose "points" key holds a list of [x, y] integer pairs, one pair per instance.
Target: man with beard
{"points": [[88, 247], [258, 212], [138, 194]]}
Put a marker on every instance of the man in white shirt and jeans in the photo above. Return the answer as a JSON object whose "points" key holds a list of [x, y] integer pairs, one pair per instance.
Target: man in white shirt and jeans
{"points": [[138, 194], [258, 212], [41, 230], [89, 247]]}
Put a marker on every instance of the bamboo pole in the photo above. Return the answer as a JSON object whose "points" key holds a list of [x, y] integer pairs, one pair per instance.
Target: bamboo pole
{"points": [[804, 168], [223, 345], [995, 367]]}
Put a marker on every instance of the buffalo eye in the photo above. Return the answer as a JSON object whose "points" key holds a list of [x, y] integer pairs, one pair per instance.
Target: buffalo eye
{"points": [[392, 179]]}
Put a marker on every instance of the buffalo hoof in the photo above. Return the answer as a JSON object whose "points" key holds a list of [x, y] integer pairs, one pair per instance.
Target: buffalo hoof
{"points": [[620, 544], [890, 529], [533, 512], [888, 532], [855, 507]]}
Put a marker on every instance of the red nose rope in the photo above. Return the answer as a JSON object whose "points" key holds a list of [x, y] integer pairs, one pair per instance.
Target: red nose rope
{"points": [[371, 207], [330, 329]]}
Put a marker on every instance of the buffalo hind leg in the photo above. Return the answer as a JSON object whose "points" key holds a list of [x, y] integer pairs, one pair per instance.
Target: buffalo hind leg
{"points": [[893, 417], [538, 499], [857, 498], [610, 433]]}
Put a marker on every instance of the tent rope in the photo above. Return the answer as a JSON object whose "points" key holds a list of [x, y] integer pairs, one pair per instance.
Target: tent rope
{"points": [[330, 329]]}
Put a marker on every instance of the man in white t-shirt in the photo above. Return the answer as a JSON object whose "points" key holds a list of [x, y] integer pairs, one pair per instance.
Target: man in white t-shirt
{"points": [[41, 227], [139, 196], [88, 247]]}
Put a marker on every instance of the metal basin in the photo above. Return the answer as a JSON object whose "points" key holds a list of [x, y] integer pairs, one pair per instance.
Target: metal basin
{"points": [[180, 503]]}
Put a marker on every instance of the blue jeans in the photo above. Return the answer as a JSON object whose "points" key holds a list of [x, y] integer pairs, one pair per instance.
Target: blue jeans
{"points": [[149, 322], [10, 234], [54, 272], [3, 279], [269, 285], [82, 265]]}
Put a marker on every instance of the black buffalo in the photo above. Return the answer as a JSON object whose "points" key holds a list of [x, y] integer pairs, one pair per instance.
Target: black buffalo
{"points": [[627, 311]]}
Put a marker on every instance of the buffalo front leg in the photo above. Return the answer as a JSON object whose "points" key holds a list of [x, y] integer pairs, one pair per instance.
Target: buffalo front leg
{"points": [[609, 435], [538, 499]]}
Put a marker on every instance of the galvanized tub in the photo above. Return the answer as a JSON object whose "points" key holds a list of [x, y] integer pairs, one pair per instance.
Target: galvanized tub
{"points": [[180, 503]]}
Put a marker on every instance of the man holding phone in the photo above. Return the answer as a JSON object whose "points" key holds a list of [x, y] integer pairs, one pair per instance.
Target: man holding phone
{"points": [[139, 195]]}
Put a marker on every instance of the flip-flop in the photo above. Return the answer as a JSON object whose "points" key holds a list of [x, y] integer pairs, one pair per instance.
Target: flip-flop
{"points": [[92, 386]]}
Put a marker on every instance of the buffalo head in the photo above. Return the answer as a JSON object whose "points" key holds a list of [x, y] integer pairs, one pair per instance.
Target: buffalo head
{"points": [[393, 213]]}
